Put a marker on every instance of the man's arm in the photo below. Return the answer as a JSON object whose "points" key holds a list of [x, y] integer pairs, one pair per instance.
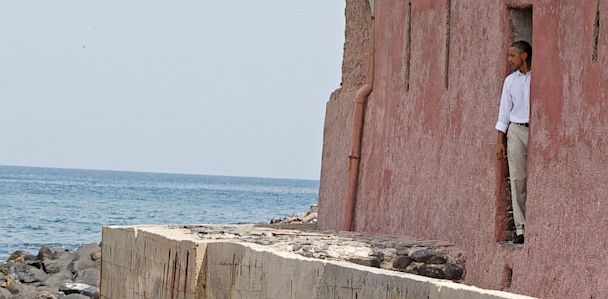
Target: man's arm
{"points": [[501, 145], [503, 121]]}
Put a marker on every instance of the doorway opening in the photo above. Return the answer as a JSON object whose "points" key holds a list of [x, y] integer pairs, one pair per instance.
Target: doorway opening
{"points": [[521, 28]]}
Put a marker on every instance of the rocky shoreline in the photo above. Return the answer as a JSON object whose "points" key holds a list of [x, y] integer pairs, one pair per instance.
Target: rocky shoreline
{"points": [[309, 217], [56, 273], [52, 274]]}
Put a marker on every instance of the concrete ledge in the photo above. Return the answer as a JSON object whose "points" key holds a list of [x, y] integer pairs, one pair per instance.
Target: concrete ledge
{"points": [[166, 262]]}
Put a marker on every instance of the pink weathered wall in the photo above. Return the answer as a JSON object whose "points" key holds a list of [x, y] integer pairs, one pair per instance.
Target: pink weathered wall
{"points": [[428, 168]]}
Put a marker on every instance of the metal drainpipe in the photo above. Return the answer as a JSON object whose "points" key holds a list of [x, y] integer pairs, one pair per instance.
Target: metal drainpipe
{"points": [[354, 157]]}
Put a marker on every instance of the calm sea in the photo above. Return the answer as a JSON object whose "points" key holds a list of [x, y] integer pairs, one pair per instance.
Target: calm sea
{"points": [[68, 207]]}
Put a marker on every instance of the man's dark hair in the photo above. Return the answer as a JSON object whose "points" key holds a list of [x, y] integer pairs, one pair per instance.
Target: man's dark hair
{"points": [[525, 47]]}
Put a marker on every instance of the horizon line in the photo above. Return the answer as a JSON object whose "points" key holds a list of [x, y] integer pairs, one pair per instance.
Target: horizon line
{"points": [[156, 172]]}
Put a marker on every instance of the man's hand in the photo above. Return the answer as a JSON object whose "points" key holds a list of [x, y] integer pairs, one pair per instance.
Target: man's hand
{"points": [[501, 145]]}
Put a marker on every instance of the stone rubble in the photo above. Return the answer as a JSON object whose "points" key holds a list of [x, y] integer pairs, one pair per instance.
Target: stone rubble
{"points": [[428, 258], [307, 217], [51, 274]]}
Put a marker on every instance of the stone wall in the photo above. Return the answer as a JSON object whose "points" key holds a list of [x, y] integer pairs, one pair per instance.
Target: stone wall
{"points": [[428, 167]]}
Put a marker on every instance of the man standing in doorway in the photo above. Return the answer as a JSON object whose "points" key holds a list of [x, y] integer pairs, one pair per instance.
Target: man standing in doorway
{"points": [[512, 126]]}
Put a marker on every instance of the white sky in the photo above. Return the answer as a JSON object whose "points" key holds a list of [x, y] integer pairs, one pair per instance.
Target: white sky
{"points": [[196, 86]]}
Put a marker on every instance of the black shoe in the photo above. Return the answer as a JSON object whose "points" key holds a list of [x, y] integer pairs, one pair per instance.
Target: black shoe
{"points": [[519, 239]]}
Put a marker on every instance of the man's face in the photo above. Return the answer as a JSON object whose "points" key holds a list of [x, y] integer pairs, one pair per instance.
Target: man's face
{"points": [[516, 57]]}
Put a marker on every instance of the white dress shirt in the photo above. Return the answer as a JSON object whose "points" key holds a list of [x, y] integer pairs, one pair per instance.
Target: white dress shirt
{"points": [[514, 101]]}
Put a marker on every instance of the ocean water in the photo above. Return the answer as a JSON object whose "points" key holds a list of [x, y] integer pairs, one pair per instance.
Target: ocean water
{"points": [[68, 207]]}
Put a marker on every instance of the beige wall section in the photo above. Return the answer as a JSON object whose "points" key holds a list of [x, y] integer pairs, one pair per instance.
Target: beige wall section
{"points": [[149, 262], [163, 262]]}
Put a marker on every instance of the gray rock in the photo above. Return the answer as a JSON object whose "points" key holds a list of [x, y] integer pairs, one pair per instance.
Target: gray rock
{"points": [[378, 255], [379, 245], [45, 254], [44, 295], [86, 251], [5, 294], [321, 247], [86, 263], [58, 278], [38, 264], [84, 258], [371, 262], [91, 292], [401, 262], [96, 256], [453, 271], [76, 296], [79, 288], [89, 276], [310, 217], [28, 274], [60, 264], [21, 289], [59, 252], [429, 256], [432, 271], [20, 256], [52, 290]]}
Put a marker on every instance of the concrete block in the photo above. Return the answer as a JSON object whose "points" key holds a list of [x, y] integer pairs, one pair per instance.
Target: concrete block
{"points": [[164, 262]]}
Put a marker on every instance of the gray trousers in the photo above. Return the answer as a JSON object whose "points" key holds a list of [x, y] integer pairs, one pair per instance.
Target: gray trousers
{"points": [[517, 155]]}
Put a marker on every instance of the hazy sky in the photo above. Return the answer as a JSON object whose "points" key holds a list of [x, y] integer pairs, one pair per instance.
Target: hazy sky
{"points": [[196, 86]]}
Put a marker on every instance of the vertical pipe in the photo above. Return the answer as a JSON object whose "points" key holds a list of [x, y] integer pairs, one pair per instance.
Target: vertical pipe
{"points": [[354, 157], [408, 51], [447, 43]]}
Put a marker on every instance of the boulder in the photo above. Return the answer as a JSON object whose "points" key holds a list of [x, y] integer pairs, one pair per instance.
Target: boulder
{"points": [[60, 264], [79, 288], [38, 264], [453, 271], [432, 271], [84, 257], [44, 295], [85, 252], [429, 256], [22, 289], [401, 262], [91, 292], [84, 263], [89, 276], [58, 278], [28, 274], [96, 256], [5, 294], [7, 277], [45, 254], [59, 252], [370, 262], [20, 256], [310, 217], [52, 290]]}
